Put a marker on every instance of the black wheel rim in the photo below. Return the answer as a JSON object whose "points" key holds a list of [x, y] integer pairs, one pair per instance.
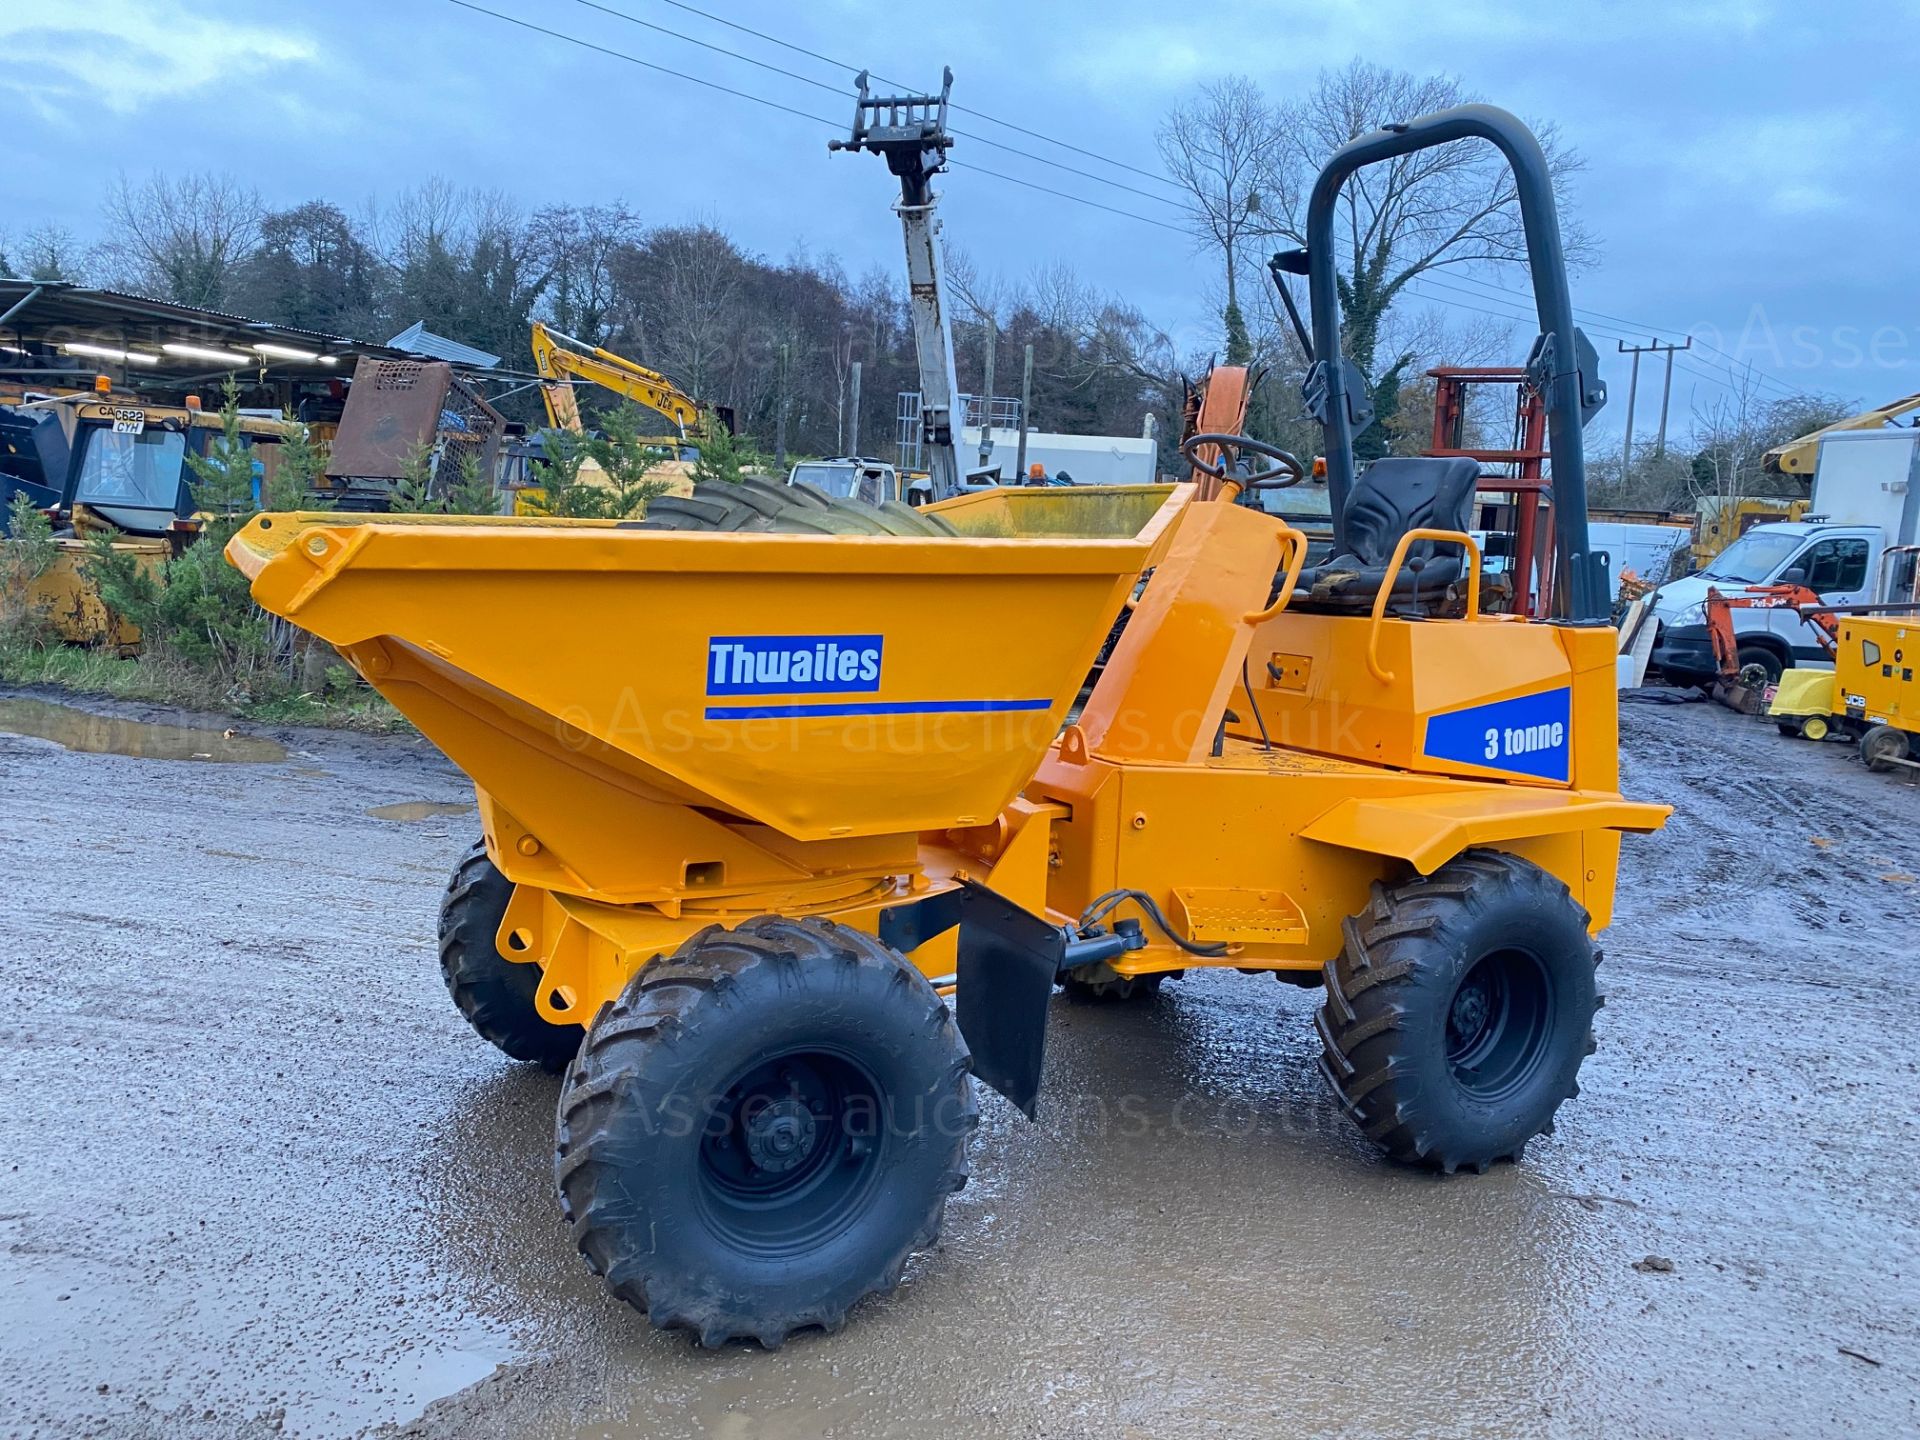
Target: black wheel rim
{"points": [[1497, 1024], [791, 1152]]}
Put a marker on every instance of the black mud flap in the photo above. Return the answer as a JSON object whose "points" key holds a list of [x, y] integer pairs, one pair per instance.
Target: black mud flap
{"points": [[1008, 960]]}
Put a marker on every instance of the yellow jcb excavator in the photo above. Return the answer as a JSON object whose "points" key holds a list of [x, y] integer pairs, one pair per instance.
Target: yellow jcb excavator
{"points": [[560, 360]]}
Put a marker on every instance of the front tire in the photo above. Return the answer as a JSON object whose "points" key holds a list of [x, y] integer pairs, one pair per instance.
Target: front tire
{"points": [[1459, 1010], [760, 1130], [494, 993], [1760, 666]]}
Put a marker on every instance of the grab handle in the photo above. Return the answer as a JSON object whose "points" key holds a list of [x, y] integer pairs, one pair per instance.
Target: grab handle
{"points": [[1456, 537], [1296, 543]]}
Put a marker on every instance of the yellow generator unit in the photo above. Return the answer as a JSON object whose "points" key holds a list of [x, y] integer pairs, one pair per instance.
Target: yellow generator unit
{"points": [[1869, 696], [800, 838]]}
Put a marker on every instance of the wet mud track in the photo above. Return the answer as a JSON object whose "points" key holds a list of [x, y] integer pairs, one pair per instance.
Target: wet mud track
{"points": [[259, 1178]]}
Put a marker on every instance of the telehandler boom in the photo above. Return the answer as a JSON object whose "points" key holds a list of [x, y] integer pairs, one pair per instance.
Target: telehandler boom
{"points": [[742, 837]]}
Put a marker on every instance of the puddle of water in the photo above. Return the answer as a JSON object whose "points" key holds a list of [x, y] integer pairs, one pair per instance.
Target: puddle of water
{"points": [[410, 810], [108, 735]]}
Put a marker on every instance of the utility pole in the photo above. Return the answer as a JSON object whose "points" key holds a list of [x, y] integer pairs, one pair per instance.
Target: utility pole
{"points": [[853, 417], [1026, 398], [780, 418], [986, 409], [1666, 391], [1633, 387]]}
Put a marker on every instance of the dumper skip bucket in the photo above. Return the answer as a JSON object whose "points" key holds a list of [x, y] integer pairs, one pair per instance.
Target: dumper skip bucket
{"points": [[824, 687]]}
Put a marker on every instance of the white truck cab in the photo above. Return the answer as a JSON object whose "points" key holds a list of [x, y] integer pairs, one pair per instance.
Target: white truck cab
{"points": [[1864, 503], [860, 477]]}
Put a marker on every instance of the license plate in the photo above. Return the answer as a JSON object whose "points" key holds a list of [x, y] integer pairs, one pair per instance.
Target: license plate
{"points": [[129, 422]]}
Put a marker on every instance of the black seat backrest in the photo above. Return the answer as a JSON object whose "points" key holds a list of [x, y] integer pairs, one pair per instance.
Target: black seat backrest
{"points": [[1398, 493]]}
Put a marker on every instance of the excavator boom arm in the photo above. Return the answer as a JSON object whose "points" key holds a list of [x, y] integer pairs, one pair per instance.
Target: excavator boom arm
{"points": [[560, 359]]}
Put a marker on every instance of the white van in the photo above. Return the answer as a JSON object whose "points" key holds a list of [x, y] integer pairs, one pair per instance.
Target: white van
{"points": [[1864, 502]]}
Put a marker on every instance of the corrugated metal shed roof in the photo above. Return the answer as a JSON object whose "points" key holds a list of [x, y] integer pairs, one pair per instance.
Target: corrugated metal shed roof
{"points": [[56, 302], [419, 340]]}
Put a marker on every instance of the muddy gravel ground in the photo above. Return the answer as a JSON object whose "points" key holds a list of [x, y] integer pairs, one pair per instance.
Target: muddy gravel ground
{"points": [[259, 1177]]}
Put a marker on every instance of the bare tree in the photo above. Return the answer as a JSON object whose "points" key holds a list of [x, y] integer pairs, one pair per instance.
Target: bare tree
{"points": [[583, 242], [1249, 169], [1453, 205], [180, 237], [49, 252], [1221, 147], [690, 278], [1733, 434]]}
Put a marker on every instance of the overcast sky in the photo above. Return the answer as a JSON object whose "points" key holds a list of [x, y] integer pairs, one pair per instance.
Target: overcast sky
{"points": [[1749, 164]]}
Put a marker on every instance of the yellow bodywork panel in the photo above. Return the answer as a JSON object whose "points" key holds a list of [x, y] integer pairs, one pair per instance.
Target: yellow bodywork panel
{"points": [[1087, 512], [1427, 830], [70, 600], [1477, 697], [1272, 849], [1875, 664], [1804, 692], [709, 700]]}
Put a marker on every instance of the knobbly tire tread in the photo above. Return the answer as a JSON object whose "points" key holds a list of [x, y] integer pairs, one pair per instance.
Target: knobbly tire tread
{"points": [[767, 507], [668, 1006], [493, 992], [1374, 989]]}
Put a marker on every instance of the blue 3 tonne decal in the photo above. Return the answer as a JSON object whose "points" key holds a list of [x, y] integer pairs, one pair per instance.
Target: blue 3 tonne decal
{"points": [[1527, 735]]}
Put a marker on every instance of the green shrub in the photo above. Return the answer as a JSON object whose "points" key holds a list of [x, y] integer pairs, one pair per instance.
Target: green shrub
{"points": [[724, 458], [412, 492], [300, 466], [472, 492], [617, 489], [26, 555]]}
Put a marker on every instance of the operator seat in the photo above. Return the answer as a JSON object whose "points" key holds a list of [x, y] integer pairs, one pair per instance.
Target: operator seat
{"points": [[1393, 495]]}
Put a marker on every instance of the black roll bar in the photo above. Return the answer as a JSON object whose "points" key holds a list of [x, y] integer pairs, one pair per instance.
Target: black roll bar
{"points": [[1560, 354]]}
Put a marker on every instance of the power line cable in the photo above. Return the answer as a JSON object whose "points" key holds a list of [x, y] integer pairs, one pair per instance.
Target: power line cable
{"points": [[1637, 328], [647, 64], [833, 125], [1417, 288], [1507, 296], [967, 110], [1064, 195], [842, 90]]}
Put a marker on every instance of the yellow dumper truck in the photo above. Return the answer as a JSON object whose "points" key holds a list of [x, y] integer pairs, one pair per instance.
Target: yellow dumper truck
{"points": [[746, 835]]}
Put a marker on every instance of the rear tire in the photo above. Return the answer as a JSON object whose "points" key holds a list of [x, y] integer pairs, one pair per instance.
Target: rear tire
{"points": [[760, 1130], [1884, 747], [1459, 1011], [1815, 727], [493, 992]]}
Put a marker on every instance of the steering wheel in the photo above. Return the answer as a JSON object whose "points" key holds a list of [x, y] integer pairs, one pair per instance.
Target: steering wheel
{"points": [[1285, 470]]}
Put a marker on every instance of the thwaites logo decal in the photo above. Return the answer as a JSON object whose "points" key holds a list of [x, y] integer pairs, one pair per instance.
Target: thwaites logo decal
{"points": [[1527, 735], [783, 677], [794, 664]]}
